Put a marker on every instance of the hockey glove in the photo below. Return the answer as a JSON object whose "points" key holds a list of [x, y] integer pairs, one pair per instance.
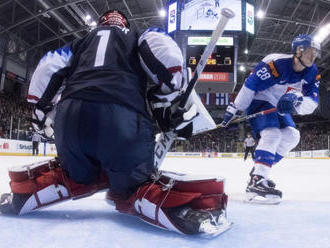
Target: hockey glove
{"points": [[229, 115], [168, 116], [182, 121], [43, 119], [288, 102]]}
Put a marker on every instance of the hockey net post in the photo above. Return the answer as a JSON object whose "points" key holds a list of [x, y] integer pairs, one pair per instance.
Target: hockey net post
{"points": [[165, 140]]}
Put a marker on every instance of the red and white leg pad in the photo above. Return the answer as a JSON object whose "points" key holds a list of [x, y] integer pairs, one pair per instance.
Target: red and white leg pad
{"points": [[45, 183], [155, 201]]}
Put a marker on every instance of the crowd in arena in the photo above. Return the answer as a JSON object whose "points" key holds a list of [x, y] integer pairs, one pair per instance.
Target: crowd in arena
{"points": [[314, 136], [314, 133], [220, 140], [14, 112]]}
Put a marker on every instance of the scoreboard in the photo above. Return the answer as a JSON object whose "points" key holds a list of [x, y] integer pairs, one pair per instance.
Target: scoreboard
{"points": [[189, 22], [220, 65]]}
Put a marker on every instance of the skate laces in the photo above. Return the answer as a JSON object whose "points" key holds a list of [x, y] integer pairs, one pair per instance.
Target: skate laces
{"points": [[261, 181]]}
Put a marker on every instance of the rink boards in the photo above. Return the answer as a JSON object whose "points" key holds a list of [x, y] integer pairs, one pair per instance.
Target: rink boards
{"points": [[10, 147], [316, 154], [24, 148]]}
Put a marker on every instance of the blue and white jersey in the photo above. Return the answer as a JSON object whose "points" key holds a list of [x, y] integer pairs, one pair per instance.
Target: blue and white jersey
{"points": [[51, 68], [273, 77]]}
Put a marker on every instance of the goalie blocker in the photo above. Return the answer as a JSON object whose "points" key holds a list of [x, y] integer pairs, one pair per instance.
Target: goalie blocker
{"points": [[182, 203]]}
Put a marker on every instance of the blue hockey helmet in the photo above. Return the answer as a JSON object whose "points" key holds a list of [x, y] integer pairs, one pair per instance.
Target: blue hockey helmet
{"points": [[304, 41]]}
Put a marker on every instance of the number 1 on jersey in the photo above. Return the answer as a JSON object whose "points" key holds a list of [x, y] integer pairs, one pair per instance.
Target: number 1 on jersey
{"points": [[102, 47]]}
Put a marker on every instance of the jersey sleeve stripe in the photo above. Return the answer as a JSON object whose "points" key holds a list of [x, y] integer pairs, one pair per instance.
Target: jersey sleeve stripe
{"points": [[273, 69], [32, 98], [175, 69]]}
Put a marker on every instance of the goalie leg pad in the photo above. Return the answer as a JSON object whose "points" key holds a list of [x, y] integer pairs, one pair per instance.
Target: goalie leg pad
{"points": [[171, 203], [45, 183]]}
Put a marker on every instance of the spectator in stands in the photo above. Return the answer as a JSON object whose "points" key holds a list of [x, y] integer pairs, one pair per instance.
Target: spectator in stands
{"points": [[13, 111]]}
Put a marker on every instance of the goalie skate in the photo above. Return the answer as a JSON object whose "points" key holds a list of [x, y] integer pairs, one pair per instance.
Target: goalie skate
{"points": [[214, 226], [204, 223], [262, 191], [5, 204]]}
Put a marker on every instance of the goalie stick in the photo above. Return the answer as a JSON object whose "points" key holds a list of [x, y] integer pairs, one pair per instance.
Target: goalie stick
{"points": [[165, 140]]}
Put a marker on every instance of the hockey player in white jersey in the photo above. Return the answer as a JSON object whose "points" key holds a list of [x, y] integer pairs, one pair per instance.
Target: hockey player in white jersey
{"points": [[104, 135], [290, 83]]}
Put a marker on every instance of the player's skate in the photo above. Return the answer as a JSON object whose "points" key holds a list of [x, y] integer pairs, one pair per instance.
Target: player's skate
{"points": [[270, 182], [261, 190]]}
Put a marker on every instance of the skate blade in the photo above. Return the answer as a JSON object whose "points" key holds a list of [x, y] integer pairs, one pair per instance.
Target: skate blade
{"points": [[208, 230], [268, 200]]}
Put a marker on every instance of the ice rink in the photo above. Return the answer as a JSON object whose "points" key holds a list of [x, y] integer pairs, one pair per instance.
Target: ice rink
{"points": [[301, 220]]}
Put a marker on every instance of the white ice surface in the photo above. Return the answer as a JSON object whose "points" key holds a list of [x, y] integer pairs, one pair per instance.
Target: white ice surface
{"points": [[301, 220]]}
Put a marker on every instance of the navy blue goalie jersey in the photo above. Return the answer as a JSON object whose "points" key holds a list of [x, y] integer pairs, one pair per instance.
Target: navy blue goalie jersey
{"points": [[103, 66]]}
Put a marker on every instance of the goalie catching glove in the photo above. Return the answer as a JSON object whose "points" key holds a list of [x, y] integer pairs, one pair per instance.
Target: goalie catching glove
{"points": [[168, 116], [42, 119]]}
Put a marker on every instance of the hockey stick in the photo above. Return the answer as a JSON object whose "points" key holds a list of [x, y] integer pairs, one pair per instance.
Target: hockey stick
{"points": [[247, 117], [165, 140], [243, 118]]}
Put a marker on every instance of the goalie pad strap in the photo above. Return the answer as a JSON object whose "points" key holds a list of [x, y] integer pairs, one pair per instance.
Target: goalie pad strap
{"points": [[165, 198], [204, 186], [210, 202], [22, 173]]}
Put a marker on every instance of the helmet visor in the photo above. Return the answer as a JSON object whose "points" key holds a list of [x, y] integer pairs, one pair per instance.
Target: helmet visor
{"points": [[316, 48]]}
